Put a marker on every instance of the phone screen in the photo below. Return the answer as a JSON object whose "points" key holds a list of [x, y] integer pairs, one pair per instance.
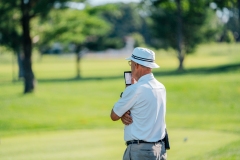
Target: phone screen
{"points": [[128, 77]]}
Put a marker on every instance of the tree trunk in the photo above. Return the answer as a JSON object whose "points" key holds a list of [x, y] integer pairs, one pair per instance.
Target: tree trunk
{"points": [[20, 64], [239, 19], [80, 51], [27, 48], [180, 36], [78, 65], [78, 48]]}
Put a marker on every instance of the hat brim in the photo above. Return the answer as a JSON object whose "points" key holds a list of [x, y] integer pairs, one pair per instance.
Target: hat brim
{"points": [[146, 64]]}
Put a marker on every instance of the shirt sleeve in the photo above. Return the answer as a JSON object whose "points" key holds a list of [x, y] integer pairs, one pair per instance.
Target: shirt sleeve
{"points": [[127, 101]]}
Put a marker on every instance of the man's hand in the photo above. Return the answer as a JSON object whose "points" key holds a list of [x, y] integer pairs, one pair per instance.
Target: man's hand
{"points": [[133, 80], [126, 118]]}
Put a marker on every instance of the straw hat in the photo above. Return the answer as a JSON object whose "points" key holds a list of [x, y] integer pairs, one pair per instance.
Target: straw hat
{"points": [[143, 56]]}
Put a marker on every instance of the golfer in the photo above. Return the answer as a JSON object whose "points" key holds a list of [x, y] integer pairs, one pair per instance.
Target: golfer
{"points": [[142, 109]]}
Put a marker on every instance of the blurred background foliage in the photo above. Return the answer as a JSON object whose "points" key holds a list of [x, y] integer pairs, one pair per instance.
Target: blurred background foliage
{"points": [[77, 26]]}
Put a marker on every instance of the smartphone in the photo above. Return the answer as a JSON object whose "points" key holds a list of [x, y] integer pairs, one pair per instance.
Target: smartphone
{"points": [[128, 77]]}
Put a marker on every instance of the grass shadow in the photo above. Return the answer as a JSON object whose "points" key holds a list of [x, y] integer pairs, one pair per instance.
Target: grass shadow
{"points": [[218, 69], [205, 70], [99, 78]]}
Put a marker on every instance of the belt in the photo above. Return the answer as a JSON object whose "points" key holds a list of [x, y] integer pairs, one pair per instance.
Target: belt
{"points": [[140, 141]]}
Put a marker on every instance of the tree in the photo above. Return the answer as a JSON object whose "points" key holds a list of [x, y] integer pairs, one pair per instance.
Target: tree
{"points": [[10, 31], [71, 26], [181, 25], [28, 9], [233, 6], [125, 21]]}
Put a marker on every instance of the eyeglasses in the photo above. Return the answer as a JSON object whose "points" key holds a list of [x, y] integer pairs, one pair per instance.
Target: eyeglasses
{"points": [[130, 63]]}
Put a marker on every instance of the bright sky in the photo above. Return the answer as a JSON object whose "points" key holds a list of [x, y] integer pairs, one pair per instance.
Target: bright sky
{"points": [[81, 6], [99, 2]]}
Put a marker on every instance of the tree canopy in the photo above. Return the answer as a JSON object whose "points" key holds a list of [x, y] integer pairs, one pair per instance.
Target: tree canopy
{"points": [[71, 26], [182, 25]]}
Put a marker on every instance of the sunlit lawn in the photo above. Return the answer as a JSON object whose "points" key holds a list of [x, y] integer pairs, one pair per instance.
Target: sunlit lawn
{"points": [[68, 118], [106, 144]]}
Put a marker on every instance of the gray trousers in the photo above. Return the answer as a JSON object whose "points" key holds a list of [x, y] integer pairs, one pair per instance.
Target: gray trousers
{"points": [[145, 151]]}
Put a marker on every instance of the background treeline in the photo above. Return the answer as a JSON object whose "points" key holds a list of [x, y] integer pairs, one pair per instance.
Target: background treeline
{"points": [[154, 24], [54, 26]]}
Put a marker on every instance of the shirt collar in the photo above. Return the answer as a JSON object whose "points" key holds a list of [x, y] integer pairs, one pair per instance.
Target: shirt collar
{"points": [[146, 77]]}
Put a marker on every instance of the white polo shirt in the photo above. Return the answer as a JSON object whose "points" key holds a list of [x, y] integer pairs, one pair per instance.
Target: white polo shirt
{"points": [[146, 100]]}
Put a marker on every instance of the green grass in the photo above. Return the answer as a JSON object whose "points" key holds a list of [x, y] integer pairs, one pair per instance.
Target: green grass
{"points": [[68, 118], [105, 144], [230, 151]]}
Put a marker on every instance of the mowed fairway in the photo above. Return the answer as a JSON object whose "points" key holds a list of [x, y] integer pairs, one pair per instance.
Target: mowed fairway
{"points": [[68, 118], [104, 144]]}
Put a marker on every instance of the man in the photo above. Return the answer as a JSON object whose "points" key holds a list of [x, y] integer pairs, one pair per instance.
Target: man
{"points": [[142, 109]]}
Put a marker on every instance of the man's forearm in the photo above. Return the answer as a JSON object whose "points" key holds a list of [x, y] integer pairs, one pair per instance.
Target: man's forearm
{"points": [[114, 116]]}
